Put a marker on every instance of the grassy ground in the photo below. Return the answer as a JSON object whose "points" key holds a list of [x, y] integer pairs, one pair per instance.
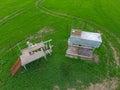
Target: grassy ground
{"points": [[20, 20]]}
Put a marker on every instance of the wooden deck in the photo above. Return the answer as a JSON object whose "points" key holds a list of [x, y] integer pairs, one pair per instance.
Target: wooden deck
{"points": [[25, 59], [31, 54]]}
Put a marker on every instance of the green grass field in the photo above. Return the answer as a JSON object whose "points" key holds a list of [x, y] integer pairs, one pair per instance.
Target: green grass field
{"points": [[21, 20]]}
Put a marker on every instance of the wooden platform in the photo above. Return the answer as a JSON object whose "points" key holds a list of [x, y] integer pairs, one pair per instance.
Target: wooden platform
{"points": [[25, 59], [32, 53]]}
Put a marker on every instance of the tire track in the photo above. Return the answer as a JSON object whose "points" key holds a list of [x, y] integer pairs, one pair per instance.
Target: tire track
{"points": [[62, 15], [38, 1], [11, 16], [113, 48], [103, 14], [107, 59], [7, 18], [115, 53], [53, 13]]}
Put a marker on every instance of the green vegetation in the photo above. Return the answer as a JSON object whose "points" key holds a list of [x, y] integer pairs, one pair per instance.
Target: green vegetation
{"points": [[20, 20]]}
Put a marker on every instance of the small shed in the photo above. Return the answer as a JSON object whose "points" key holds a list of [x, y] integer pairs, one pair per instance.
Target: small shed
{"points": [[82, 43]]}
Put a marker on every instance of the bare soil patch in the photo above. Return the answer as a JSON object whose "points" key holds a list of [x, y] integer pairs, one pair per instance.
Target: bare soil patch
{"points": [[71, 88], [56, 87], [96, 58], [108, 84], [41, 33]]}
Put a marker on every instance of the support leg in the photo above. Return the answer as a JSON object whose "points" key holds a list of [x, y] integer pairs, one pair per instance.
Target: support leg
{"points": [[49, 52], [45, 57], [25, 67]]}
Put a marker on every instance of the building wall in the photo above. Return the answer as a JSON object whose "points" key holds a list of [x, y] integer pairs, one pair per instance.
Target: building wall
{"points": [[79, 41]]}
